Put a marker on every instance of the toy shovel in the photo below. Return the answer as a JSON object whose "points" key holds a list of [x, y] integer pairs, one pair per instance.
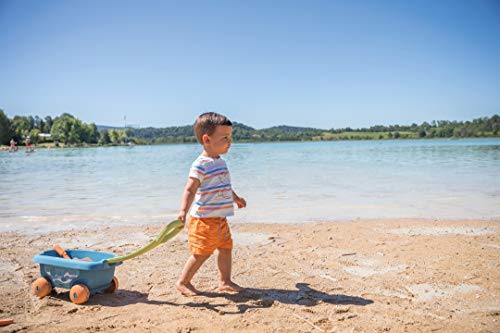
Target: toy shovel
{"points": [[63, 254]]}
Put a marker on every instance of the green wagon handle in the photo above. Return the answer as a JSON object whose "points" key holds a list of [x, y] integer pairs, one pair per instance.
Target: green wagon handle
{"points": [[172, 229]]}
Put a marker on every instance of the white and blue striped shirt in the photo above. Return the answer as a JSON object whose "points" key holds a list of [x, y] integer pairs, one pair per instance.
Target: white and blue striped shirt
{"points": [[214, 197]]}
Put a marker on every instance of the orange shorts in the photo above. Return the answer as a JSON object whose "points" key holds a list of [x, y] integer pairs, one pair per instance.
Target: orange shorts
{"points": [[207, 234]]}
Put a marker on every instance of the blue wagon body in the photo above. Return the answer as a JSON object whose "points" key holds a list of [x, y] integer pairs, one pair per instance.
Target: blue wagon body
{"points": [[65, 273]]}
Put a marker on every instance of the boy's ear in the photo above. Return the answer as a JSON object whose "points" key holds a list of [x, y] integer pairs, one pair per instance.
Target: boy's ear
{"points": [[205, 138]]}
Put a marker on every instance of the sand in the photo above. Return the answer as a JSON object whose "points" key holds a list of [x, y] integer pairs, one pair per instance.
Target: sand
{"points": [[361, 276]]}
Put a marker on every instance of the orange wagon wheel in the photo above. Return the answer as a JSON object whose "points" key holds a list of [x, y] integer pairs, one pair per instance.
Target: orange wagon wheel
{"points": [[113, 285], [42, 287], [79, 294]]}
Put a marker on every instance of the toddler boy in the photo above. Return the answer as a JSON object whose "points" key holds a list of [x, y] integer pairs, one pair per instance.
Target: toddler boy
{"points": [[209, 186]]}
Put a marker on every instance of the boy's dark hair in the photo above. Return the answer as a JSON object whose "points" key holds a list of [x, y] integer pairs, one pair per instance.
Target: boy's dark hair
{"points": [[206, 124]]}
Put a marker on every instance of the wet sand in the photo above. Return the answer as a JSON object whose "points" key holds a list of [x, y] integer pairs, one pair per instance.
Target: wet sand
{"points": [[361, 276]]}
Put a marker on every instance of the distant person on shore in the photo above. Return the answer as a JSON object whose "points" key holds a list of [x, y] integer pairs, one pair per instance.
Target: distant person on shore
{"points": [[12, 145], [209, 185], [27, 142]]}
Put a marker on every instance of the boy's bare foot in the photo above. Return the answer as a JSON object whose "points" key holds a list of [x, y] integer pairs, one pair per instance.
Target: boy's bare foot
{"points": [[187, 289], [230, 286]]}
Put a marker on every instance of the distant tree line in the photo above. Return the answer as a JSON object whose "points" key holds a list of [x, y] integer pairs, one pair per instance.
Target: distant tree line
{"points": [[69, 130], [65, 129]]}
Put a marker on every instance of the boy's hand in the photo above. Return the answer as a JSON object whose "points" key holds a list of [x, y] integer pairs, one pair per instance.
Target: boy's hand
{"points": [[240, 202], [182, 216]]}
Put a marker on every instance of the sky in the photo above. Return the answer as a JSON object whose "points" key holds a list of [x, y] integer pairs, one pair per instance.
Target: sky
{"points": [[323, 64]]}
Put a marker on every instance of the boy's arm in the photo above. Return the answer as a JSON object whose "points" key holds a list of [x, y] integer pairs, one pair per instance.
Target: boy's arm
{"points": [[239, 200], [188, 197]]}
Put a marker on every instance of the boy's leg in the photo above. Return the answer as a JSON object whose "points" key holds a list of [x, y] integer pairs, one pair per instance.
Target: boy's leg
{"points": [[224, 259], [184, 285]]}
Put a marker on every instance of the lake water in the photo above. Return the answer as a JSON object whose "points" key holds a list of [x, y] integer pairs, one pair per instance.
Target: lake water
{"points": [[282, 182]]}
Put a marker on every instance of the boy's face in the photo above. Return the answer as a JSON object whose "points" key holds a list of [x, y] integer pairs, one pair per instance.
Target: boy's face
{"points": [[220, 141]]}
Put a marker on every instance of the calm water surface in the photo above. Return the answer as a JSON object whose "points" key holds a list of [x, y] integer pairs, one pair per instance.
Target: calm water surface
{"points": [[282, 182]]}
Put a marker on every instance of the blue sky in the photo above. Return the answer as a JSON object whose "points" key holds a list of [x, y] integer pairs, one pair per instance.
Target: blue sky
{"points": [[325, 64]]}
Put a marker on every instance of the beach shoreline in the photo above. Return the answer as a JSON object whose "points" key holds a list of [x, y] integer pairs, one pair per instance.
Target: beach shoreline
{"points": [[415, 275], [31, 226]]}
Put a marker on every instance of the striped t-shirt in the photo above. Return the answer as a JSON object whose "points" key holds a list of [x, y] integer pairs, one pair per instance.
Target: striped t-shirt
{"points": [[214, 197]]}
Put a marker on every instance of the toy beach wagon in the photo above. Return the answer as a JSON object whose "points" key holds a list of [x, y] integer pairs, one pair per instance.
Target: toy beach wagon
{"points": [[86, 273]]}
